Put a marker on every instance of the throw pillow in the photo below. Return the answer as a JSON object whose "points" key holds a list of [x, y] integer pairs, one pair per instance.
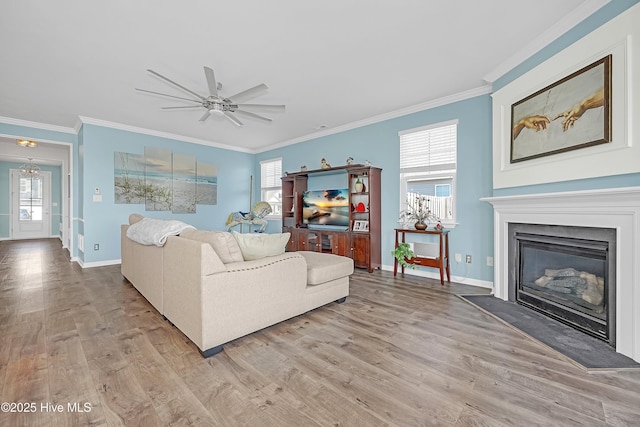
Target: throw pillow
{"points": [[261, 245], [222, 243]]}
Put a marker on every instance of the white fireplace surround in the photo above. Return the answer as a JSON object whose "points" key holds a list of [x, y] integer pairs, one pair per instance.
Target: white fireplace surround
{"points": [[617, 208]]}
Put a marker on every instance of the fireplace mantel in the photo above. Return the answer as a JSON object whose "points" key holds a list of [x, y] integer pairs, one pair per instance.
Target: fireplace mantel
{"points": [[617, 208]]}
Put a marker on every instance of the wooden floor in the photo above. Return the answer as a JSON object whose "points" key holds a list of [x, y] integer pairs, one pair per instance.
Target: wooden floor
{"points": [[398, 352]]}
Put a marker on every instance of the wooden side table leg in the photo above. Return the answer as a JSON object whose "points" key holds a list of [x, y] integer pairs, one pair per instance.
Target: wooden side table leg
{"points": [[395, 260], [446, 242]]}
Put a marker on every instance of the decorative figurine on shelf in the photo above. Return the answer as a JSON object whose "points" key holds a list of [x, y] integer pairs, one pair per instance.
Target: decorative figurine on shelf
{"points": [[367, 163], [349, 160], [324, 164], [360, 207], [303, 168], [255, 217]]}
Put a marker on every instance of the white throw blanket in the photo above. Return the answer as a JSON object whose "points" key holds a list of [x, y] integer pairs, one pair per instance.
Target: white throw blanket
{"points": [[149, 231]]}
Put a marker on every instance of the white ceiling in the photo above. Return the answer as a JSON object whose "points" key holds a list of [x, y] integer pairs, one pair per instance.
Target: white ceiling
{"points": [[334, 63]]}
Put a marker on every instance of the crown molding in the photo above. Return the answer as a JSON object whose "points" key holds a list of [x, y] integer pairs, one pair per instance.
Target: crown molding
{"points": [[36, 125], [461, 96], [160, 134], [579, 14]]}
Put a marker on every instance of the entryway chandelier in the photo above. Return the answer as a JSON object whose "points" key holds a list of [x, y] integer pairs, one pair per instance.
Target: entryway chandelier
{"points": [[29, 170]]}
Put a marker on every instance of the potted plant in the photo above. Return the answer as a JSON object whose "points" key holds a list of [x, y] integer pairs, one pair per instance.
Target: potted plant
{"points": [[418, 213], [402, 253]]}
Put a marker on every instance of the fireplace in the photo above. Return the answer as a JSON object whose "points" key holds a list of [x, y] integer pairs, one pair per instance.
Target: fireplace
{"points": [[567, 273], [610, 208]]}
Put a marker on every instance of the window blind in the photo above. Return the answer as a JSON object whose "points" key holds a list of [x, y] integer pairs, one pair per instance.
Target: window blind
{"points": [[270, 173], [428, 150]]}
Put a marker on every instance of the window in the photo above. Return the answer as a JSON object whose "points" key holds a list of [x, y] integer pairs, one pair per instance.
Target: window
{"points": [[428, 168], [271, 185], [30, 199]]}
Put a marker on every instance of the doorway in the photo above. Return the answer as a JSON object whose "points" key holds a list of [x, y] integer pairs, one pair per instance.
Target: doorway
{"points": [[30, 205]]}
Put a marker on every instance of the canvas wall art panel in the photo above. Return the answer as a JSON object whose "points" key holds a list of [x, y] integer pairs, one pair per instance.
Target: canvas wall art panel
{"points": [[207, 184], [158, 178], [129, 180], [184, 184], [572, 113]]}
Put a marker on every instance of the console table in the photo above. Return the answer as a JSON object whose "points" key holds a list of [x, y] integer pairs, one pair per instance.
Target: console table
{"points": [[441, 262]]}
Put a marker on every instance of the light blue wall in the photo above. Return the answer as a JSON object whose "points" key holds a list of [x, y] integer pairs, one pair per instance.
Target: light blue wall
{"points": [[56, 185], [37, 134], [101, 220], [605, 14], [379, 143], [93, 167]]}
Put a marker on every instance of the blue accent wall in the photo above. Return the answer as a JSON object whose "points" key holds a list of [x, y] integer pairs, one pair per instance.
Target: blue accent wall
{"points": [[605, 14], [379, 144], [93, 148], [101, 220]]}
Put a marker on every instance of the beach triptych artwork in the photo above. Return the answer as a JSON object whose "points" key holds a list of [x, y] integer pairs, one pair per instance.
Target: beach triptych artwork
{"points": [[164, 181]]}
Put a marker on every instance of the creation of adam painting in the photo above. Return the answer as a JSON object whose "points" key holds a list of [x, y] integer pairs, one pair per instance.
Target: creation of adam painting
{"points": [[572, 113]]}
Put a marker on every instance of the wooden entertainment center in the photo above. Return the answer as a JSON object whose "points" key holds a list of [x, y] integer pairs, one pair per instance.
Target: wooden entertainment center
{"points": [[360, 240]]}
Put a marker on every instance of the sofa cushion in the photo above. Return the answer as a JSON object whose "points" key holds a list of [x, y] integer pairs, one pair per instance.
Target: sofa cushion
{"points": [[261, 245], [323, 268], [221, 241]]}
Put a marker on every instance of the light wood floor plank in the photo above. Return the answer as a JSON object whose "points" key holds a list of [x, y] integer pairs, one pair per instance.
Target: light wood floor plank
{"points": [[401, 351]]}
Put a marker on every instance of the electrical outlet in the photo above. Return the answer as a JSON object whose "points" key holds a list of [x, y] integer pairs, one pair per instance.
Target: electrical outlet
{"points": [[96, 247], [489, 261], [468, 259], [458, 258]]}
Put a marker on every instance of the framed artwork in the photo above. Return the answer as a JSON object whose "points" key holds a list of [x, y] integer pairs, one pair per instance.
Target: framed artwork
{"points": [[572, 113], [164, 181], [360, 225]]}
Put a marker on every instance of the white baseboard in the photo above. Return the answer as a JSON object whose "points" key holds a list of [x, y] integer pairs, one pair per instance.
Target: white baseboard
{"points": [[436, 275], [83, 264]]}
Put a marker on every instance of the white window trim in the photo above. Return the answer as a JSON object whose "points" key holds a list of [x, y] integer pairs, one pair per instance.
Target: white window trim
{"points": [[424, 173], [262, 188]]}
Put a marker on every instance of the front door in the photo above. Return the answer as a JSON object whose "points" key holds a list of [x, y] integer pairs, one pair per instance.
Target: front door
{"points": [[30, 205]]}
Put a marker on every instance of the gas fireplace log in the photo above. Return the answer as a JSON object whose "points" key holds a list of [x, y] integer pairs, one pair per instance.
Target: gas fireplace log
{"points": [[584, 285]]}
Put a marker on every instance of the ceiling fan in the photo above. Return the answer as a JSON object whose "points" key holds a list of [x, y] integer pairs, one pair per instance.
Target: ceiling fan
{"points": [[215, 103]]}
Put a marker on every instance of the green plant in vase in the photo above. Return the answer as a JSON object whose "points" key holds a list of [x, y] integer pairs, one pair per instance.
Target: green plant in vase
{"points": [[418, 212], [402, 253]]}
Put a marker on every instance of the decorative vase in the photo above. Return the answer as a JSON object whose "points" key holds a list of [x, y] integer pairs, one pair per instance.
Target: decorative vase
{"points": [[359, 186], [420, 225]]}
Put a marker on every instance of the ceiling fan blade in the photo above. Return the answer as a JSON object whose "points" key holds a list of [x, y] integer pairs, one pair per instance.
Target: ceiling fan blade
{"points": [[184, 106], [232, 118], [205, 116], [267, 107], [249, 93], [254, 115], [170, 96], [175, 84], [211, 81]]}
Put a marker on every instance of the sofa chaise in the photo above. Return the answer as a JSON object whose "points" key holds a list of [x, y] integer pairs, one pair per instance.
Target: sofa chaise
{"points": [[216, 287]]}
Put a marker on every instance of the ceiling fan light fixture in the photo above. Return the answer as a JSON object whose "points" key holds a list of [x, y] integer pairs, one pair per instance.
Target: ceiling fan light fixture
{"points": [[215, 103], [26, 143]]}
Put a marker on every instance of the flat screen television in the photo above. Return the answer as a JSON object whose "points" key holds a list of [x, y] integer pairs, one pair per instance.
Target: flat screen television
{"points": [[326, 209]]}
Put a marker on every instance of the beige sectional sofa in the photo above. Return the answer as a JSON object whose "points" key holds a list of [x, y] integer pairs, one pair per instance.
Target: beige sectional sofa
{"points": [[209, 292]]}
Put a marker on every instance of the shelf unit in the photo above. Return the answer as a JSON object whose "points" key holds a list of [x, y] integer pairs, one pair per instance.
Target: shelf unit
{"points": [[362, 241]]}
